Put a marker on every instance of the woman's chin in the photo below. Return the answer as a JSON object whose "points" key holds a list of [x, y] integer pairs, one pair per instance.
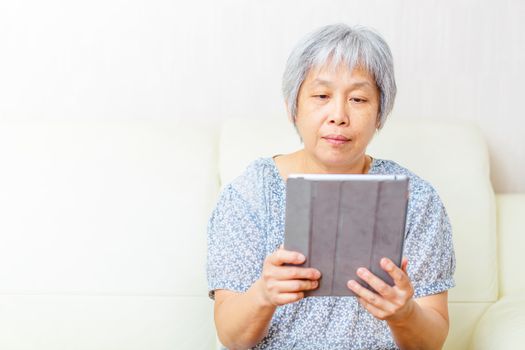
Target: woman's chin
{"points": [[336, 162]]}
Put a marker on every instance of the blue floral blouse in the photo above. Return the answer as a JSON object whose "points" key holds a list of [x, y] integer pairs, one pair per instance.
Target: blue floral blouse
{"points": [[247, 224]]}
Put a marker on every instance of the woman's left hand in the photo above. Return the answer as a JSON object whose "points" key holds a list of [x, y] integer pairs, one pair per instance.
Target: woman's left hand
{"points": [[390, 303]]}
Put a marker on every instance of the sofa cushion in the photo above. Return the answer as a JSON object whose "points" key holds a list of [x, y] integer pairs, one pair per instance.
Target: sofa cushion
{"points": [[104, 207], [103, 234], [502, 325], [243, 140], [463, 318], [87, 322]]}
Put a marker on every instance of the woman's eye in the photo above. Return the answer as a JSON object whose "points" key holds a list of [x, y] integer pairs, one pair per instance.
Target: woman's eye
{"points": [[357, 100], [322, 97]]}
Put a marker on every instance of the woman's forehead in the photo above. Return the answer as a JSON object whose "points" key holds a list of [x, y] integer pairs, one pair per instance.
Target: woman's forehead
{"points": [[328, 74]]}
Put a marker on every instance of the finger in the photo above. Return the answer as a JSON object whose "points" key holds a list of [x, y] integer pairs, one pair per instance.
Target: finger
{"points": [[296, 273], [375, 311], [404, 264], [283, 256], [366, 294], [399, 276], [375, 282], [294, 286], [286, 298]]}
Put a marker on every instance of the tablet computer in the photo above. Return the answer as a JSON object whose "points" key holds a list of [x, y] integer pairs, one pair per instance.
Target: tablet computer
{"points": [[342, 222]]}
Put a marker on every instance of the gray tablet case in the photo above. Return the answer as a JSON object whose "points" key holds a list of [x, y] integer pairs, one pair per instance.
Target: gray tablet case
{"points": [[343, 222]]}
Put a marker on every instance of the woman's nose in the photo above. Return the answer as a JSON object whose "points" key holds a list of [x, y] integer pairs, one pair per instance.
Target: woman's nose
{"points": [[339, 114]]}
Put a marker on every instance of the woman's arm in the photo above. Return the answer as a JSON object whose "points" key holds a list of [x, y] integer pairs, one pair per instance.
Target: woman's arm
{"points": [[426, 327], [415, 323], [242, 319]]}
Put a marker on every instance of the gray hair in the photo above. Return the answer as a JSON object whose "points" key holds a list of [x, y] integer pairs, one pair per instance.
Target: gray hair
{"points": [[332, 44]]}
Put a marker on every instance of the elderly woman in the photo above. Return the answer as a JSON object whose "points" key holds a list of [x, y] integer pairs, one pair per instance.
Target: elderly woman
{"points": [[339, 88]]}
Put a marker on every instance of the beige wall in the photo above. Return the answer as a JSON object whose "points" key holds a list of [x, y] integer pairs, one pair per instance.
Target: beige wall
{"points": [[459, 60]]}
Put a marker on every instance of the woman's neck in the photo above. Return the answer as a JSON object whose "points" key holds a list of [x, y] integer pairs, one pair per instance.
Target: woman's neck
{"points": [[297, 162], [311, 165]]}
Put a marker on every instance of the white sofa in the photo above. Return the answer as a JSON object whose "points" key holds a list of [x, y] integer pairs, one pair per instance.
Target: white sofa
{"points": [[103, 229]]}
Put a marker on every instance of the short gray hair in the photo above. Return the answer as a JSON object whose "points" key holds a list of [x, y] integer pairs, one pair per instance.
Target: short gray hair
{"points": [[355, 46]]}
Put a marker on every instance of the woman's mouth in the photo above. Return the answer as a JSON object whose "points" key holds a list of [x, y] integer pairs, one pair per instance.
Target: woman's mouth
{"points": [[336, 139]]}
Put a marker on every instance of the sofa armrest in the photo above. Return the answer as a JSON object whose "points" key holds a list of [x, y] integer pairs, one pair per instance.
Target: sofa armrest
{"points": [[501, 327]]}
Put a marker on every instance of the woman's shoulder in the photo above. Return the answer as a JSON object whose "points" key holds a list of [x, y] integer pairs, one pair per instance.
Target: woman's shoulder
{"points": [[254, 173], [255, 180], [419, 188]]}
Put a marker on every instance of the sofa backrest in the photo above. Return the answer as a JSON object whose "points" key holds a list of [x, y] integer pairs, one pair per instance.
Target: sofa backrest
{"points": [[103, 235], [452, 156], [511, 240]]}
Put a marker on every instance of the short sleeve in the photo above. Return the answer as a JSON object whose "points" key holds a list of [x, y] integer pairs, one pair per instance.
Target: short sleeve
{"points": [[235, 243], [428, 245]]}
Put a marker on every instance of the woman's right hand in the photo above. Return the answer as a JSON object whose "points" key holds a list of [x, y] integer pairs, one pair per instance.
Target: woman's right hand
{"points": [[281, 284]]}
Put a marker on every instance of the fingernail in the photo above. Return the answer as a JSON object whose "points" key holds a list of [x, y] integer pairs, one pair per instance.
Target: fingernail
{"points": [[361, 271], [300, 257]]}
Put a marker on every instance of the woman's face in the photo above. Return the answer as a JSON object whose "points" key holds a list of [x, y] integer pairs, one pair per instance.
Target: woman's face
{"points": [[337, 115]]}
